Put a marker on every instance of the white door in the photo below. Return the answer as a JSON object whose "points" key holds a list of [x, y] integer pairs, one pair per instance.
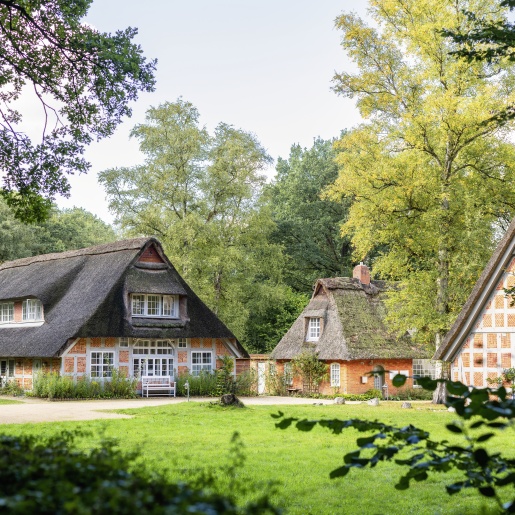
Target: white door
{"points": [[261, 378]]}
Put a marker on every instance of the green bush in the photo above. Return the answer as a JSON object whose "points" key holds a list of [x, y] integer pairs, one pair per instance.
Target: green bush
{"points": [[203, 385], [11, 387], [49, 476], [245, 384], [370, 394], [50, 385], [412, 394]]}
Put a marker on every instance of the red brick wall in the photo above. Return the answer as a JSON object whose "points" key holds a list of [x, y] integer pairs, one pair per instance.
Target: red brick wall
{"points": [[351, 373]]}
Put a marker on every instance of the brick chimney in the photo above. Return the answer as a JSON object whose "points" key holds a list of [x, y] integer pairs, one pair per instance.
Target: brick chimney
{"points": [[362, 273]]}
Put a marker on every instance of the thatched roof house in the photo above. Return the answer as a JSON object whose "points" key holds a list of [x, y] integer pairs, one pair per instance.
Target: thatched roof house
{"points": [[344, 323], [125, 293]]}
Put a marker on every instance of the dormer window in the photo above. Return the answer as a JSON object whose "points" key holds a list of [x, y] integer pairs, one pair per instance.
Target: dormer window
{"points": [[313, 330], [165, 306], [32, 310]]}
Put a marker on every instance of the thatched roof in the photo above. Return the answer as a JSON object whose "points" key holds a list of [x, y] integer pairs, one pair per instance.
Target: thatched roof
{"points": [[482, 290], [85, 293], [353, 324]]}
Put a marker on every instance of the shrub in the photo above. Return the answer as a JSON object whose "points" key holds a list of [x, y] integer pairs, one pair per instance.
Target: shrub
{"points": [[49, 476], [203, 385], [411, 394], [50, 385], [312, 370], [11, 387], [245, 383]]}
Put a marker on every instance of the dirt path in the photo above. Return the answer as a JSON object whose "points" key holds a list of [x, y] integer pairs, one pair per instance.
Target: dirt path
{"points": [[39, 410]]}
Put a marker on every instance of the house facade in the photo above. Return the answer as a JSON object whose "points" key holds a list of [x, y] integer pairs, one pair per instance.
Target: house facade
{"points": [[121, 305], [344, 324], [481, 343]]}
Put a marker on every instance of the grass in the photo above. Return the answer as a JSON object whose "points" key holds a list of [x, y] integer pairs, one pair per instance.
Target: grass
{"points": [[10, 401], [182, 439]]}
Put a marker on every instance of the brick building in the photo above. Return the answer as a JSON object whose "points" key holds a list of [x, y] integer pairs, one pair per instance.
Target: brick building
{"points": [[344, 324], [121, 305], [481, 343]]}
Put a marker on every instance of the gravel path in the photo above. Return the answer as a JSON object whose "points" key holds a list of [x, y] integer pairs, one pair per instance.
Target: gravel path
{"points": [[39, 410]]}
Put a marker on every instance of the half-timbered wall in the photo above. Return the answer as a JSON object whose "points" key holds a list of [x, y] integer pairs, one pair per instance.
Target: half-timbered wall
{"points": [[490, 346]]}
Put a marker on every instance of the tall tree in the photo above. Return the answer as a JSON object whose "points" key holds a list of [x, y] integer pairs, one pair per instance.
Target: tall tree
{"points": [[308, 226], [430, 172], [84, 81], [199, 193]]}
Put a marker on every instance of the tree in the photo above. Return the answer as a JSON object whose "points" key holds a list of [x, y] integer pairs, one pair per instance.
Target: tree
{"points": [[66, 229], [199, 193], [308, 226], [478, 409], [84, 81], [430, 173], [486, 38]]}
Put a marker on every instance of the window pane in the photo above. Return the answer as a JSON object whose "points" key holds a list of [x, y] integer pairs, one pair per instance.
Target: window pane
{"points": [[138, 305], [153, 305]]}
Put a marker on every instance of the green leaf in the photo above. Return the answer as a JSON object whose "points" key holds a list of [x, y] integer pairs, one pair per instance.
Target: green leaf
{"points": [[399, 380], [454, 428], [481, 457], [485, 437], [456, 387], [427, 383], [487, 491], [339, 472]]}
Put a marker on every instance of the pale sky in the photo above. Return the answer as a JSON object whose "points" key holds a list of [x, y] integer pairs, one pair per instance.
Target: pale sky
{"points": [[264, 66]]}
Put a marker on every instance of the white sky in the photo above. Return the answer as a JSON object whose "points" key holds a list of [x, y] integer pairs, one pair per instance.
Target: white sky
{"points": [[264, 66]]}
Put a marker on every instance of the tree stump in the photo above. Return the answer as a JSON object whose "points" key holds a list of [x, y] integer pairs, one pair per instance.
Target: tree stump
{"points": [[230, 399]]}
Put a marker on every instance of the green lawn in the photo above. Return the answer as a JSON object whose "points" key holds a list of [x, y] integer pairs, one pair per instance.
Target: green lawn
{"points": [[9, 401], [181, 439]]}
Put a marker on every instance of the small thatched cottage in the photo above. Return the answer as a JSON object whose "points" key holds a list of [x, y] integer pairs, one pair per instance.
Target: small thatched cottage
{"points": [[344, 324], [121, 305], [481, 343]]}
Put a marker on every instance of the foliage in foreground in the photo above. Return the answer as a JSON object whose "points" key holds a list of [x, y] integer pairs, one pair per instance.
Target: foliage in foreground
{"points": [[49, 476], [481, 410], [50, 385]]}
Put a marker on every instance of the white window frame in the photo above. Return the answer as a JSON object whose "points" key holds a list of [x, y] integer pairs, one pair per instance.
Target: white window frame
{"points": [[123, 343], [152, 357], [101, 364], [288, 374], [154, 305], [314, 326], [32, 310], [182, 343], [6, 312], [203, 365], [423, 368], [335, 375]]}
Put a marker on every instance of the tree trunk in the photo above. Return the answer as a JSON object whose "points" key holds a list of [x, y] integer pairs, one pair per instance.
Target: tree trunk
{"points": [[442, 282]]}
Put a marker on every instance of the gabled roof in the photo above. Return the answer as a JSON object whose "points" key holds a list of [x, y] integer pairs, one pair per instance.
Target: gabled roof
{"points": [[477, 300], [353, 324], [85, 294]]}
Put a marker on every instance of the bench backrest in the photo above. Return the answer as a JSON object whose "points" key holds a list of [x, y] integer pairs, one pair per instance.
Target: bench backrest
{"points": [[156, 380]]}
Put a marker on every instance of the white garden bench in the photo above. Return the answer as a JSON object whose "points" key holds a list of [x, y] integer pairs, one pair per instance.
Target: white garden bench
{"points": [[157, 385]]}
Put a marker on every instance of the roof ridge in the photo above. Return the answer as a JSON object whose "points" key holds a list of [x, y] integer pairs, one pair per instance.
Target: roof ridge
{"points": [[104, 248]]}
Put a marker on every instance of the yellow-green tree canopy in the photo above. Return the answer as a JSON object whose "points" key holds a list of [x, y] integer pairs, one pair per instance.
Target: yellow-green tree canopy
{"points": [[430, 172]]}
